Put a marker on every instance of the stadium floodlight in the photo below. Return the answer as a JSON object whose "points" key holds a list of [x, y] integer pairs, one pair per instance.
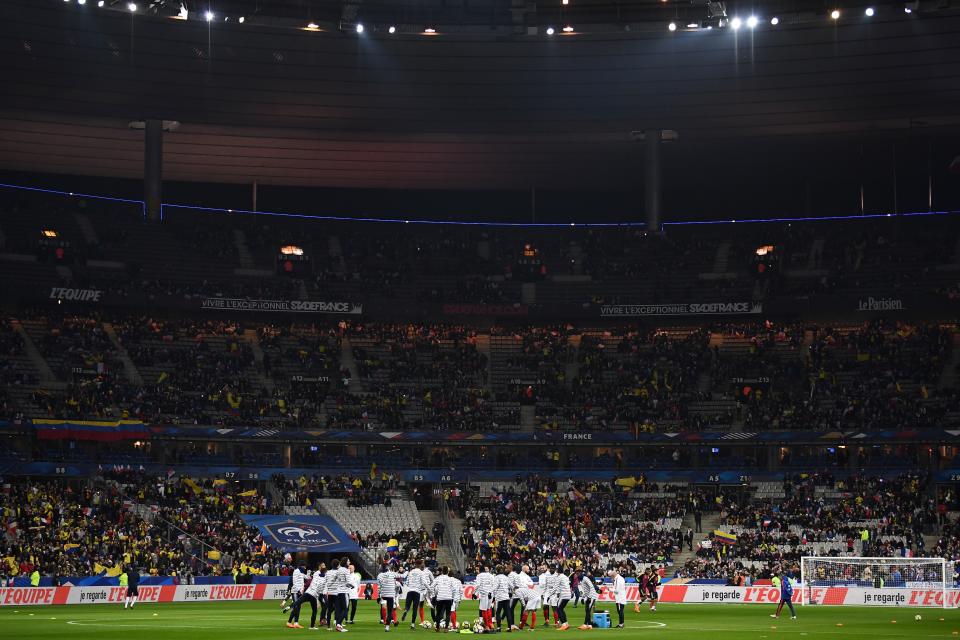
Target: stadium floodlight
{"points": [[312, 25], [132, 7], [774, 20], [209, 16], [100, 3], [392, 29], [693, 25], [183, 14], [430, 30], [550, 31], [672, 26], [359, 28], [869, 12], [736, 23], [568, 29], [835, 14], [241, 19], [752, 22], [81, 2]]}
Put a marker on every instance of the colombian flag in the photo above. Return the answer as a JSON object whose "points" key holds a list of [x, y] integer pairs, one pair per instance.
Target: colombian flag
{"points": [[193, 485], [96, 430], [724, 538]]}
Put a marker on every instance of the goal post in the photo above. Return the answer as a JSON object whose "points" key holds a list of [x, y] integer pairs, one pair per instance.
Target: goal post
{"points": [[888, 582]]}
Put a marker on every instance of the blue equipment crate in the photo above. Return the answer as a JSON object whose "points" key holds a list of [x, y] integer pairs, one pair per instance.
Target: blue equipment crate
{"points": [[601, 620]]}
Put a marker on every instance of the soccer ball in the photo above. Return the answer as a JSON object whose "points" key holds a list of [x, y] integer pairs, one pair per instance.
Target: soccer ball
{"points": [[464, 625], [426, 624], [478, 622], [478, 627], [917, 617]]}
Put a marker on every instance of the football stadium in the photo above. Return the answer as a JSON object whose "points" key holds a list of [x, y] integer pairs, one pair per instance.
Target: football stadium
{"points": [[602, 317]]}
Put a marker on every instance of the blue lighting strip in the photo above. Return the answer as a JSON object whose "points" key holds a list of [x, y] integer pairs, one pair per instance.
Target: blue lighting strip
{"points": [[461, 223], [143, 205], [865, 216]]}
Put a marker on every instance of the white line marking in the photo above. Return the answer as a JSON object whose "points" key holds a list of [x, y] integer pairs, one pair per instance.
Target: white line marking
{"points": [[653, 625]]}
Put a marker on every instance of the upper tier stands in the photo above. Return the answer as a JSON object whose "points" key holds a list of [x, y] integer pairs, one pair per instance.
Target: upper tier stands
{"points": [[149, 351], [193, 255], [446, 377]]}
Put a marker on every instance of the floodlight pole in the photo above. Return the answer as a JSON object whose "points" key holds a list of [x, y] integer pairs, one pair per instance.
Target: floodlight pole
{"points": [[651, 182], [153, 167]]}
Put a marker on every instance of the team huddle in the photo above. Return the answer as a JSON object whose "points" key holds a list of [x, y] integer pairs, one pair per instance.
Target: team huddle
{"points": [[335, 591], [499, 590]]}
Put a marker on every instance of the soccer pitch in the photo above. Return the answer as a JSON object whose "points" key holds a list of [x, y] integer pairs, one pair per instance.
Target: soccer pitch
{"points": [[258, 620]]}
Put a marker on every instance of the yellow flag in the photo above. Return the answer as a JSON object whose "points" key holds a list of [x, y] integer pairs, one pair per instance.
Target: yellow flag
{"points": [[248, 494]]}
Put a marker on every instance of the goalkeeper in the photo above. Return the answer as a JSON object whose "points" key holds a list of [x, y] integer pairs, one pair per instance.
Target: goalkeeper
{"points": [[786, 596]]}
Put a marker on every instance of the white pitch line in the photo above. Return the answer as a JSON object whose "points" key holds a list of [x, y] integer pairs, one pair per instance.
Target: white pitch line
{"points": [[843, 631]]}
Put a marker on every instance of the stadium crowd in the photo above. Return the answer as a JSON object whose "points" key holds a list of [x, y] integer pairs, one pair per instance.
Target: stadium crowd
{"points": [[582, 526], [434, 377], [164, 526]]}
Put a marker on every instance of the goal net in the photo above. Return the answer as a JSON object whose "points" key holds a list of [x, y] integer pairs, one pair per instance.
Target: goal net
{"points": [[884, 582]]}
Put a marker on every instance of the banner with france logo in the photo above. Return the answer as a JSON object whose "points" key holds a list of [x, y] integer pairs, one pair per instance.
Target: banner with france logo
{"points": [[315, 534]]}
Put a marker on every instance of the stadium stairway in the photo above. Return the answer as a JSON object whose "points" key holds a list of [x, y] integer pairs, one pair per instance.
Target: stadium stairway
{"points": [[709, 523], [243, 251], [86, 229], [483, 348], [452, 536], [251, 338], [444, 555], [347, 361], [528, 417], [948, 377], [815, 257], [129, 368], [47, 377], [721, 258], [572, 370], [684, 554]]}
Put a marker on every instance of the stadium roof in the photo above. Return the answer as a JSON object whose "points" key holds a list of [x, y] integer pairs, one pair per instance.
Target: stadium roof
{"points": [[285, 105]]}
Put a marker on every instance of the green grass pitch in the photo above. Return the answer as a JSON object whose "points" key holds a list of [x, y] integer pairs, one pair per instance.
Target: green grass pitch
{"points": [[260, 620]]}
